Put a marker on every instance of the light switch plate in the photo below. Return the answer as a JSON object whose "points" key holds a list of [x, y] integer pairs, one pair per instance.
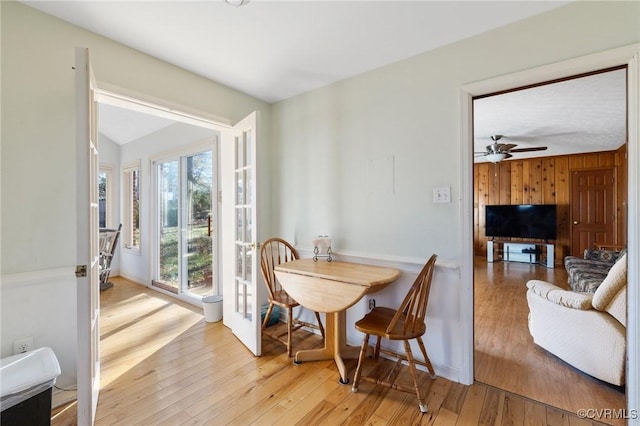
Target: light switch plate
{"points": [[442, 194]]}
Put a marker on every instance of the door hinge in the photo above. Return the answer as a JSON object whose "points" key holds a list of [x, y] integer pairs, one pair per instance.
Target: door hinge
{"points": [[220, 196], [81, 271]]}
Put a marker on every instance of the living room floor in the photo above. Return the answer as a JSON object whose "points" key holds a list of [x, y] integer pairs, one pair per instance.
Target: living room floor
{"points": [[507, 358]]}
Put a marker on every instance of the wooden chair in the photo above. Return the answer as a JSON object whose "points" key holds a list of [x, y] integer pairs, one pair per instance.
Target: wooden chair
{"points": [[405, 323], [108, 245], [272, 253]]}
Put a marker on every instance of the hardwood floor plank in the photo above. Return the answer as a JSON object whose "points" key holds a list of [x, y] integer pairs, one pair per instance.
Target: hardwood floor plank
{"points": [[513, 413], [317, 414], [556, 417], [295, 415], [492, 408], [375, 420], [455, 397], [445, 418], [295, 399], [534, 414], [472, 406]]}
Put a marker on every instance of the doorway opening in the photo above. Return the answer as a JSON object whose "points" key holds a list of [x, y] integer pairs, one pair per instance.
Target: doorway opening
{"points": [[532, 179], [171, 213]]}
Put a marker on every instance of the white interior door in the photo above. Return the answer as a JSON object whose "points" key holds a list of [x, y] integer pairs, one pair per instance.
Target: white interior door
{"points": [[87, 271], [241, 292]]}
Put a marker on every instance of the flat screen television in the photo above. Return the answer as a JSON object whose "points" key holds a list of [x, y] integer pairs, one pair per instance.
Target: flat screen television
{"points": [[521, 221]]}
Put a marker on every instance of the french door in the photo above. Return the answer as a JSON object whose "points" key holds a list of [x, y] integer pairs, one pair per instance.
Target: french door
{"points": [[242, 294], [87, 253], [186, 224]]}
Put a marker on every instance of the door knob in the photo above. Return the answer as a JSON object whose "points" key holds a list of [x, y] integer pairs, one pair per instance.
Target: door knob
{"points": [[575, 222]]}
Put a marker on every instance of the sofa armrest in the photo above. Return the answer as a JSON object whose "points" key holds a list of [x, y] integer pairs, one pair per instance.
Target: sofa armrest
{"points": [[555, 294]]}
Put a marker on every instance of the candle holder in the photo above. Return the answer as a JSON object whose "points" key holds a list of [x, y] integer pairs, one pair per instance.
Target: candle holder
{"points": [[322, 248]]}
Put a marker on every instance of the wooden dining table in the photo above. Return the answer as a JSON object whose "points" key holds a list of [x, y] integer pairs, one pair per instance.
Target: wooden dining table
{"points": [[332, 287]]}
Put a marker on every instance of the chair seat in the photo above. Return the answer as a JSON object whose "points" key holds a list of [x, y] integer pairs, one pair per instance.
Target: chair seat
{"points": [[282, 299], [377, 321]]}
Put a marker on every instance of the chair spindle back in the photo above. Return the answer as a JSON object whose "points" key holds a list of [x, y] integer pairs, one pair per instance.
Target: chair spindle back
{"points": [[414, 305], [275, 251]]}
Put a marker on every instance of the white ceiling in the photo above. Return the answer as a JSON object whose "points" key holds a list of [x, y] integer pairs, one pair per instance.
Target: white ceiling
{"points": [[274, 50], [585, 114], [123, 125]]}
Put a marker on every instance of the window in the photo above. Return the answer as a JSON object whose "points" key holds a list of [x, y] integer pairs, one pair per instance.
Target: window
{"points": [[105, 184], [131, 199]]}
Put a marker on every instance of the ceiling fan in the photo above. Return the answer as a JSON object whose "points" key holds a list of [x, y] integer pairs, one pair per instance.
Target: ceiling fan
{"points": [[497, 151]]}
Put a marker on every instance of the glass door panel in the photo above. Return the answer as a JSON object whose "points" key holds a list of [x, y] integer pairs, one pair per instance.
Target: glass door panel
{"points": [[245, 240], [198, 223], [169, 198]]}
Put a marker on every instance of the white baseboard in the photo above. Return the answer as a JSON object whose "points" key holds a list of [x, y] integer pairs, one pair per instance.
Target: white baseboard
{"points": [[61, 397]]}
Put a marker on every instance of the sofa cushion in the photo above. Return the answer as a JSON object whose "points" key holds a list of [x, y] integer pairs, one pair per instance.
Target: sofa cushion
{"points": [[611, 285], [559, 296], [586, 275]]}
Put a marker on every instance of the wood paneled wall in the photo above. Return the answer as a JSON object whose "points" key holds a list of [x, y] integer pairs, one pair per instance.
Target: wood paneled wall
{"points": [[544, 181]]}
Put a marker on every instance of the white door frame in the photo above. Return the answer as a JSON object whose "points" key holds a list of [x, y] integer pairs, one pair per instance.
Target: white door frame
{"points": [[627, 55]]}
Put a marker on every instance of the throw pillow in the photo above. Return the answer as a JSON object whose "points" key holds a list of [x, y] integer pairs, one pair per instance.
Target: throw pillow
{"points": [[615, 280], [601, 255]]}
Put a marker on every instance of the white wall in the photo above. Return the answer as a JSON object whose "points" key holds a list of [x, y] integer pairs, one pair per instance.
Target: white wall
{"points": [[358, 160], [38, 171]]}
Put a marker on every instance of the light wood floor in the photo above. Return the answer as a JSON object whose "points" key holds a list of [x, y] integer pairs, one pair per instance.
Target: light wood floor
{"points": [[163, 365], [507, 358]]}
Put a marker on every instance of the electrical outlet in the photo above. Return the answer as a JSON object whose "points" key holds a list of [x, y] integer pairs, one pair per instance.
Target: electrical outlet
{"points": [[372, 303], [22, 345]]}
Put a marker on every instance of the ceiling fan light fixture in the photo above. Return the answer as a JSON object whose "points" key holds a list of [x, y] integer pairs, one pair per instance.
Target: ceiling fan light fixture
{"points": [[496, 157]]}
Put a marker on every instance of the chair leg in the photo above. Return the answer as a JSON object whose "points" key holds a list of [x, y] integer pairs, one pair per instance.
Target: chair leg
{"points": [[414, 374], [266, 317], [289, 331], [427, 361], [320, 324], [363, 354], [376, 353]]}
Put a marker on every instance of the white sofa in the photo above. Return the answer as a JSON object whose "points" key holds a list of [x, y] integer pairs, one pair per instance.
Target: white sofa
{"points": [[586, 330]]}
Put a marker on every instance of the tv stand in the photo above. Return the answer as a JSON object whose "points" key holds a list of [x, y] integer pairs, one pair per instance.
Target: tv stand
{"points": [[520, 251]]}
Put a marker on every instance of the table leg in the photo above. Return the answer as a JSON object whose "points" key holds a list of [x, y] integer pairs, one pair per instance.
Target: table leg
{"points": [[328, 351], [335, 345], [340, 345]]}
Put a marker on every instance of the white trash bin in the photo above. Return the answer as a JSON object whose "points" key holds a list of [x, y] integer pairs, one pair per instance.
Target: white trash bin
{"points": [[212, 306], [26, 382]]}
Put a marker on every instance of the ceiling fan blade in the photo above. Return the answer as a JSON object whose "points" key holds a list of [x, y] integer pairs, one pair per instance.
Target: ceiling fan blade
{"points": [[499, 147], [508, 156], [537, 148]]}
